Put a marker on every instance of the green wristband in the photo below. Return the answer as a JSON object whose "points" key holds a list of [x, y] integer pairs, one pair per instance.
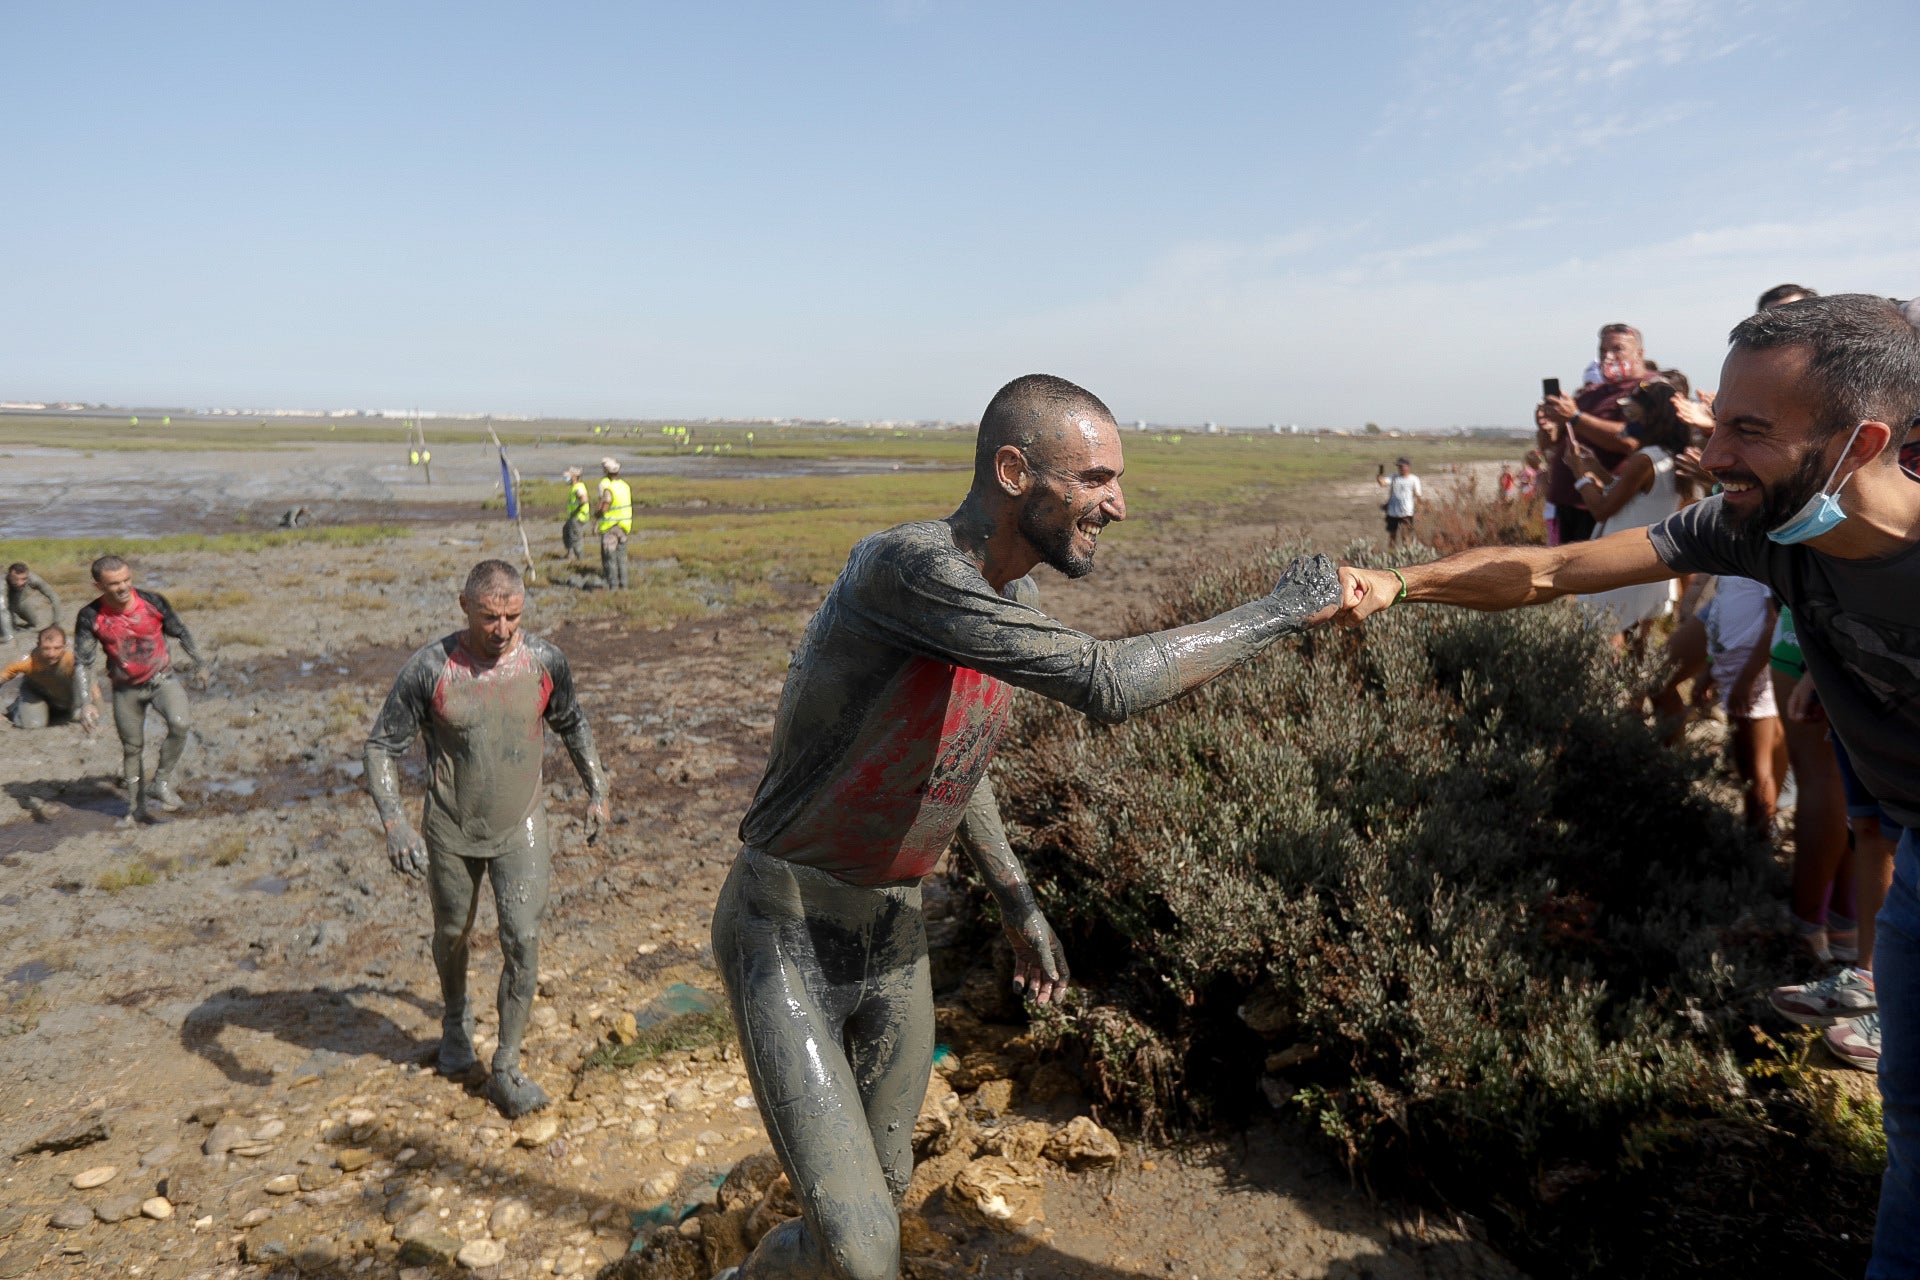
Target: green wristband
{"points": [[1403, 586]]}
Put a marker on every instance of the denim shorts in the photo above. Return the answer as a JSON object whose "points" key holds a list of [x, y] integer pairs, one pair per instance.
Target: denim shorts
{"points": [[1860, 802]]}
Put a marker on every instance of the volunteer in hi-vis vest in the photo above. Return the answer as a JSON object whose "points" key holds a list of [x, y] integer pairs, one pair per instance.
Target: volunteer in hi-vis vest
{"points": [[615, 510], [573, 530]]}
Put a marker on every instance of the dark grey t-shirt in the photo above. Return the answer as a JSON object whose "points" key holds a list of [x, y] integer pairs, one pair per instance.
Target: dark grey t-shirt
{"points": [[1859, 625]]}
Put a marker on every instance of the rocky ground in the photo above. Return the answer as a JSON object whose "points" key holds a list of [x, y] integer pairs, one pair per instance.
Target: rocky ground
{"points": [[212, 1030]]}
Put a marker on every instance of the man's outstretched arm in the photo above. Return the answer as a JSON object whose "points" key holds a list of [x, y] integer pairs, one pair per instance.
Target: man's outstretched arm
{"points": [[1040, 964], [1494, 578]]}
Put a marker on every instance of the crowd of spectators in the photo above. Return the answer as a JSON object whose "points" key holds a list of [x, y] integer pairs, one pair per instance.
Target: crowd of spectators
{"points": [[1623, 451]]}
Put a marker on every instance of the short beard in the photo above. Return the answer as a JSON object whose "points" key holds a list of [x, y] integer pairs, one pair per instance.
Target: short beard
{"points": [[1782, 502], [1054, 543]]}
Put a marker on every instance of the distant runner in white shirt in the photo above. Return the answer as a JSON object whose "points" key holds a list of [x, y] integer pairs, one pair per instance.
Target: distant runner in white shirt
{"points": [[1403, 492]]}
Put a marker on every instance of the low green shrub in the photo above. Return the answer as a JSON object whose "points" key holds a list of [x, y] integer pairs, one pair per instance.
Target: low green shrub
{"points": [[1437, 888]]}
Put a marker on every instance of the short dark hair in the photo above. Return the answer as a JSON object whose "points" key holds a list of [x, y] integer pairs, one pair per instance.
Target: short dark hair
{"points": [[1865, 357], [107, 564], [1783, 293], [1021, 412], [492, 578], [55, 630], [18, 566]]}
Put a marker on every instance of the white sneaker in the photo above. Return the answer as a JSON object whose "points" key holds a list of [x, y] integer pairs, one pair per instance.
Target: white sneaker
{"points": [[1856, 1043], [1843, 996]]}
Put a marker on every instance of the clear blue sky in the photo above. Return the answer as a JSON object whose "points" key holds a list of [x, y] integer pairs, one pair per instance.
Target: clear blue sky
{"points": [[1400, 212]]}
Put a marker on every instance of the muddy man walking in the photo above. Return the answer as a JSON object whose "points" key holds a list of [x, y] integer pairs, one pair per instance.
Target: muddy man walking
{"points": [[133, 626], [480, 697], [894, 703]]}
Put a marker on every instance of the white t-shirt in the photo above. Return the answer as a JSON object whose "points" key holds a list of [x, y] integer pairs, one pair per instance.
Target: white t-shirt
{"points": [[1401, 492]]}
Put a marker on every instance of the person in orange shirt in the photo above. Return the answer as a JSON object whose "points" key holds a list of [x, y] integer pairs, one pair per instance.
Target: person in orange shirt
{"points": [[46, 682]]}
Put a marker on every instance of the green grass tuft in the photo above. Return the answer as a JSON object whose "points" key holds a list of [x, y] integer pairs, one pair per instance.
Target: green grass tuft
{"points": [[687, 1031]]}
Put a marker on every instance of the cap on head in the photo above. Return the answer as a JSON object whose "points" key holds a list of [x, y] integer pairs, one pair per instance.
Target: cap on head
{"points": [[610, 465], [573, 473]]}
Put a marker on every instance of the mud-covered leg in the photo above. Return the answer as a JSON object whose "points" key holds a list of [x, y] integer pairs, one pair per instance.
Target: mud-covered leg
{"points": [[519, 899], [170, 700], [32, 710], [809, 1100], [890, 1040], [453, 883], [130, 721]]}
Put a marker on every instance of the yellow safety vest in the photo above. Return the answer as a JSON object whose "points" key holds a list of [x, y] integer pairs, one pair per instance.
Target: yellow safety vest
{"points": [[578, 505], [620, 509]]}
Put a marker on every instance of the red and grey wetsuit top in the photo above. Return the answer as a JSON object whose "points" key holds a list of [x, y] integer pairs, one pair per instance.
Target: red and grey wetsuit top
{"points": [[482, 723], [135, 639], [896, 699]]}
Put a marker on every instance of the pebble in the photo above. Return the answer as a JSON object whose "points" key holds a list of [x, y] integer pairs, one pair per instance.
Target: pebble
{"points": [[97, 1176], [709, 1138], [686, 1098], [645, 1127], [481, 1253], [360, 1117], [354, 1158], [508, 1217], [117, 1208], [545, 1017], [284, 1185], [251, 1149], [268, 1131], [318, 1176], [71, 1217], [254, 1217], [159, 1208], [224, 1137], [159, 1155], [182, 1188], [538, 1131], [19, 1262], [406, 1204]]}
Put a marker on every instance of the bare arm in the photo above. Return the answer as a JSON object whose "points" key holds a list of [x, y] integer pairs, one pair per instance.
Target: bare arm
{"points": [[1740, 696], [1494, 578], [1040, 962], [1635, 476]]}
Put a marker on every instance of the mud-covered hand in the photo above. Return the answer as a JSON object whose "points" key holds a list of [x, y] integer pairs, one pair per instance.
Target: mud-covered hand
{"points": [[597, 818], [90, 719], [406, 850], [1039, 961], [1365, 592], [1309, 589]]}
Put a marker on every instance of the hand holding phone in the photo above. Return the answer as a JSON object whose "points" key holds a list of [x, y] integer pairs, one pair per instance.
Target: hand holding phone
{"points": [[1549, 388]]}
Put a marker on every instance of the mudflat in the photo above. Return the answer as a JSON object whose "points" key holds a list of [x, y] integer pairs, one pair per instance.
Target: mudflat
{"points": [[244, 992]]}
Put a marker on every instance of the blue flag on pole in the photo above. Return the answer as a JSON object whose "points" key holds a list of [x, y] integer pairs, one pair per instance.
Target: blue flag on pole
{"points": [[507, 486]]}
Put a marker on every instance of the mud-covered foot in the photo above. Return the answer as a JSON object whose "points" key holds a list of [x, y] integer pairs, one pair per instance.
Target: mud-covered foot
{"points": [[514, 1094], [163, 794], [456, 1057], [727, 1274]]}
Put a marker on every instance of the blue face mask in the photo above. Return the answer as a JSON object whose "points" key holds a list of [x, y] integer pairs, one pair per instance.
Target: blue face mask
{"points": [[1822, 511]]}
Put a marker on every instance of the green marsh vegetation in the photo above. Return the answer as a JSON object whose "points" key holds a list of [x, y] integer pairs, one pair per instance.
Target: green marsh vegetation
{"points": [[1438, 891]]}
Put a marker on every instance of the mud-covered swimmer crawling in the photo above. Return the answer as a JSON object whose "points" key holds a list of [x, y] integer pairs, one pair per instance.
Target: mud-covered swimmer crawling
{"points": [[480, 697], [895, 701]]}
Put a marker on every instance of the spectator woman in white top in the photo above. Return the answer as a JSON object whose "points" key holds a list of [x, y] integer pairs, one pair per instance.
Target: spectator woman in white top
{"points": [[1644, 491]]}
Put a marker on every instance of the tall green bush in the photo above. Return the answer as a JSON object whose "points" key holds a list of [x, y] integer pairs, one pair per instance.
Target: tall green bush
{"points": [[1441, 883]]}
